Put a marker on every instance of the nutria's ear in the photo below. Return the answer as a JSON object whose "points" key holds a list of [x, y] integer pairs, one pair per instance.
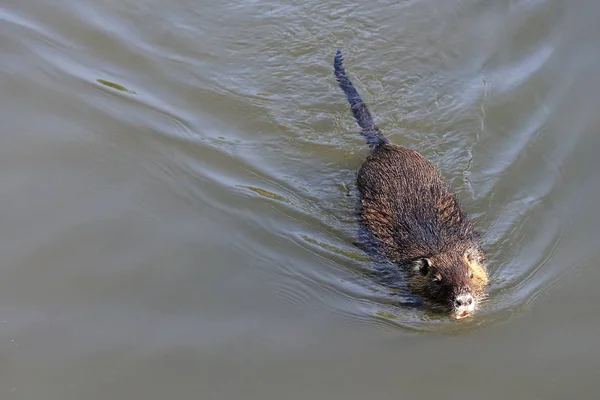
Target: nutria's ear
{"points": [[468, 253], [422, 265], [473, 256]]}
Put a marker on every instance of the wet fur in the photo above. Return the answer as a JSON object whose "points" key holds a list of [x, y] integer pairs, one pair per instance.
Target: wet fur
{"points": [[410, 217]]}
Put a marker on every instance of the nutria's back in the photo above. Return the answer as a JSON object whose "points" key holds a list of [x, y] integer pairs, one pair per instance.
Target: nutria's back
{"points": [[408, 207], [413, 218]]}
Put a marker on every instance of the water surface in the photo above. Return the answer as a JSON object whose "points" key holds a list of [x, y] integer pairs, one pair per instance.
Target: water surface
{"points": [[178, 190]]}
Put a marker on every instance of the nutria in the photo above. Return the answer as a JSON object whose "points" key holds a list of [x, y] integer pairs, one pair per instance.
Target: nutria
{"points": [[414, 220]]}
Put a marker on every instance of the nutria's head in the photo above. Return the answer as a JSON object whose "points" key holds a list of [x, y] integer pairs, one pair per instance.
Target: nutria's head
{"points": [[453, 281]]}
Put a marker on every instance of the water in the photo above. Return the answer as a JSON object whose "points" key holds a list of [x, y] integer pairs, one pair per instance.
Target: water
{"points": [[177, 195]]}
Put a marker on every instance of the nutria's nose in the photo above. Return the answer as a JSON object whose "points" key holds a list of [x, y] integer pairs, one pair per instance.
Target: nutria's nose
{"points": [[464, 300]]}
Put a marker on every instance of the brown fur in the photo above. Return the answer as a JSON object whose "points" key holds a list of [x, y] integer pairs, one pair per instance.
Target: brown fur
{"points": [[412, 215], [413, 218]]}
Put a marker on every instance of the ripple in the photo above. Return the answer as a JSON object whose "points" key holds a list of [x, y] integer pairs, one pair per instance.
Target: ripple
{"points": [[115, 86], [248, 124], [265, 193]]}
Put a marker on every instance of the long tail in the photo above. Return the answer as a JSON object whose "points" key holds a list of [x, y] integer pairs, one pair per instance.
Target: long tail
{"points": [[359, 109]]}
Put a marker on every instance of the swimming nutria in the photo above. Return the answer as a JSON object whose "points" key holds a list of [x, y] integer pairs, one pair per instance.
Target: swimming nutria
{"points": [[413, 218]]}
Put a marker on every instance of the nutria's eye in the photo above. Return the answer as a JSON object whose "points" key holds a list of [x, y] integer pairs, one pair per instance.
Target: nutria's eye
{"points": [[423, 266], [471, 276]]}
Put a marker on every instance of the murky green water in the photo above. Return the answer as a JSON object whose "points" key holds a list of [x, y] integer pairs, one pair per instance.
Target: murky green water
{"points": [[177, 194]]}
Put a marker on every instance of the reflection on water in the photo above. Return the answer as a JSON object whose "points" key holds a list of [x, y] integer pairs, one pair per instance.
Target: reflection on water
{"points": [[178, 193]]}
